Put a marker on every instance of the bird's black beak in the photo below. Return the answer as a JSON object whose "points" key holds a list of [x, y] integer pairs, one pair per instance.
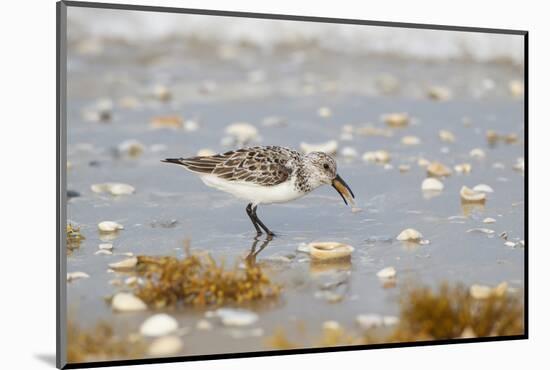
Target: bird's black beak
{"points": [[343, 189]]}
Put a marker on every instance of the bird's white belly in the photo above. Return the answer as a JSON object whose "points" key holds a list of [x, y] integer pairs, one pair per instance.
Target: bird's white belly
{"points": [[254, 193]]}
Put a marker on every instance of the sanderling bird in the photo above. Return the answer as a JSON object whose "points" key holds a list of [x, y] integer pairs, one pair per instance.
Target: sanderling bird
{"points": [[265, 175]]}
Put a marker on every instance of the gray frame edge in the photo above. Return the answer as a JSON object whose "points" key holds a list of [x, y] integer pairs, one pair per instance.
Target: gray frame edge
{"points": [[61, 191]]}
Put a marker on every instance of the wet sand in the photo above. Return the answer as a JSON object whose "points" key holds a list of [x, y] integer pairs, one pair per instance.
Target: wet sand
{"points": [[171, 205]]}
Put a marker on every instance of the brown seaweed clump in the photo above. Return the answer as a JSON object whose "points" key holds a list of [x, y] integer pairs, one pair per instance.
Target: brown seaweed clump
{"points": [[448, 312], [100, 344], [74, 237], [451, 312], [199, 281]]}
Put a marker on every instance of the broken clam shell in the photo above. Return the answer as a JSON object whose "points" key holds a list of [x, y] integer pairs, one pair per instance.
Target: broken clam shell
{"points": [[109, 226], [438, 170], [410, 235], [471, 196], [432, 184], [127, 302], [329, 250], [158, 325]]}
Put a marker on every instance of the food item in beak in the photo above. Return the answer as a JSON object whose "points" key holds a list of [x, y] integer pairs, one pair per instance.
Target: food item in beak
{"points": [[343, 189]]}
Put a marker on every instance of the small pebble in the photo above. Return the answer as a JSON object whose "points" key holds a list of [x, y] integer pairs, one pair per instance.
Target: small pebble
{"points": [[410, 140], [439, 93], [396, 119], [432, 184], [410, 235], [165, 346], [109, 226], [127, 302], [324, 112], [387, 273], [204, 325], [379, 156], [463, 168], [477, 153], [446, 136], [158, 325], [438, 170]]}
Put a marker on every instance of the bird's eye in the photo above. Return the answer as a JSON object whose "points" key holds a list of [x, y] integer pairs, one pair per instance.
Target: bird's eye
{"points": [[325, 166]]}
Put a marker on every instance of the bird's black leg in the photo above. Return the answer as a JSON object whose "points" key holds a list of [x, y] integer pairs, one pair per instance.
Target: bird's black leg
{"points": [[252, 216], [259, 222]]}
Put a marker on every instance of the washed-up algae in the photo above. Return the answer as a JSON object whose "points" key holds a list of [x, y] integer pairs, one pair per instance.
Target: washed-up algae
{"points": [[74, 237], [100, 343], [449, 312], [197, 280]]}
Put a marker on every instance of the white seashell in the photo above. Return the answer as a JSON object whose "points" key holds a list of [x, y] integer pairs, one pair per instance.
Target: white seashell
{"points": [[409, 235], [124, 264], [438, 170], [131, 148], [205, 152], [509, 244], [432, 184], [379, 156], [162, 93], [369, 321], [440, 93], [480, 291], [190, 126], [396, 119], [324, 112], [470, 196], [390, 320], [113, 188], [165, 346], [404, 168], [463, 168], [516, 88], [410, 140], [329, 147], [329, 250], [349, 152], [387, 273], [236, 317], [127, 302], [76, 275], [242, 132], [158, 325], [103, 251], [446, 136], [109, 226], [483, 188], [204, 325], [481, 230], [489, 220], [520, 165], [106, 246], [423, 162], [331, 325], [477, 153]]}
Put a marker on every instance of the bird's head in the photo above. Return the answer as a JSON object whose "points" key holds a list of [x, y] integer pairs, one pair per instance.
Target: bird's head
{"points": [[323, 171]]}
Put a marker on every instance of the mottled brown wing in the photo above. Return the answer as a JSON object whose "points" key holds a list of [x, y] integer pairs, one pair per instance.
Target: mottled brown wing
{"points": [[259, 165]]}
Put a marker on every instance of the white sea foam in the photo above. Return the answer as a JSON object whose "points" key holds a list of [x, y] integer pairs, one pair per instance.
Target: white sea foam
{"points": [[401, 42]]}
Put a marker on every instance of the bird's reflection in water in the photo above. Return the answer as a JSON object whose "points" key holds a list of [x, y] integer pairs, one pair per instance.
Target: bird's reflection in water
{"points": [[254, 250]]}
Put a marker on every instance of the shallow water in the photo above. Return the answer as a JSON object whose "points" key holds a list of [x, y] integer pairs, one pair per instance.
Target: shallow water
{"points": [[390, 200]]}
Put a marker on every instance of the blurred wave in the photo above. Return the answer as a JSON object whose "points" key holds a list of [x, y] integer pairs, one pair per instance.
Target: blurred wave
{"points": [[137, 26]]}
